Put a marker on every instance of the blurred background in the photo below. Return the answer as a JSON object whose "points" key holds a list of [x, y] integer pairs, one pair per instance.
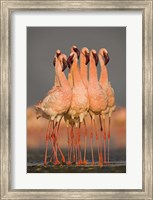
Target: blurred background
{"points": [[42, 42]]}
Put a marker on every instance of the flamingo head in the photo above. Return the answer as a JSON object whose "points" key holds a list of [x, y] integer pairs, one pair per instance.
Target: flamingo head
{"points": [[85, 52], [63, 59], [94, 55], [104, 53], [76, 50], [71, 58], [57, 54]]}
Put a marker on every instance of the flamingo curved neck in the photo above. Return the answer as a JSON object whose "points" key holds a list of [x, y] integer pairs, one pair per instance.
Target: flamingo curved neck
{"points": [[56, 81], [60, 76], [93, 71], [75, 73], [104, 73], [83, 69], [70, 78]]}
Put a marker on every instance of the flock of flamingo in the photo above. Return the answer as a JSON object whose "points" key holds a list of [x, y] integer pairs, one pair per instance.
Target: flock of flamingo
{"points": [[73, 99]]}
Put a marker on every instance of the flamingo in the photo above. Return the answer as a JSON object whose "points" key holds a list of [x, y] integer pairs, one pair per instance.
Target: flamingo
{"points": [[97, 99], [80, 102], [106, 85], [84, 60], [67, 117], [58, 100], [57, 54]]}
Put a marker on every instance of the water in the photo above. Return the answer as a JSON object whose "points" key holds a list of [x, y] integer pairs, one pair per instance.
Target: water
{"points": [[117, 163]]}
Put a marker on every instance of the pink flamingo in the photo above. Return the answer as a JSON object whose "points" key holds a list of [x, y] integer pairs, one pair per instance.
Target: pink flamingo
{"points": [[106, 85], [57, 102], [80, 103], [84, 60], [67, 117], [97, 99]]}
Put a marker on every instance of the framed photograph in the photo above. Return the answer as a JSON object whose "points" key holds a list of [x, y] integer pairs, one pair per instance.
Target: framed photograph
{"points": [[76, 99]]}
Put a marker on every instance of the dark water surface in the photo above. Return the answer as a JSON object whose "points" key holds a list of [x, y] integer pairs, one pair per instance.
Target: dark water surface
{"points": [[117, 163]]}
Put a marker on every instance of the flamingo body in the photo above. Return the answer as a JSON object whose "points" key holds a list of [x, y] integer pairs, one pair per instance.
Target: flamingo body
{"points": [[80, 103], [105, 84], [97, 96]]}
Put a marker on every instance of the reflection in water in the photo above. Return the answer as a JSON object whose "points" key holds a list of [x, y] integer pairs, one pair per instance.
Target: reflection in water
{"points": [[117, 163]]}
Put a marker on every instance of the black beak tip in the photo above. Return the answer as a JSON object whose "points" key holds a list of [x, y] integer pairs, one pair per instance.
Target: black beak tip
{"points": [[64, 64], [96, 59], [87, 59], [107, 59], [69, 61], [78, 54], [54, 62]]}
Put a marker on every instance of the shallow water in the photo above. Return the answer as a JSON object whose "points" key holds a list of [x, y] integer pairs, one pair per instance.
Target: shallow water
{"points": [[117, 163]]}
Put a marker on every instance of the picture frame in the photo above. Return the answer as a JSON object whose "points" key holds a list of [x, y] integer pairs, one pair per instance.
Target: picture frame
{"points": [[7, 7]]}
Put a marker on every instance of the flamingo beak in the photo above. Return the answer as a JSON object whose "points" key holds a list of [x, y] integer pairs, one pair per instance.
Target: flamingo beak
{"points": [[58, 54], [106, 57], [96, 58], [70, 61], [54, 61], [65, 64], [87, 58], [77, 52]]}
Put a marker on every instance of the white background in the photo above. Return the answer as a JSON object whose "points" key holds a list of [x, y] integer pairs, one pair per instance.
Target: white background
{"points": [[132, 179]]}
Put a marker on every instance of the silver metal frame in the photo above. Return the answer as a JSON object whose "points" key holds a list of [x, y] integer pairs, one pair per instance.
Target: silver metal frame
{"points": [[7, 6]]}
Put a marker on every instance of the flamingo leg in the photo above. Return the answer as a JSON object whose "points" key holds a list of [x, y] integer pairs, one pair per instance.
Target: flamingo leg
{"points": [[71, 132], [76, 157], [55, 154], [53, 142], [69, 154], [72, 145], [62, 155], [47, 138], [85, 142], [51, 157], [100, 151], [96, 139], [76, 146], [109, 136], [79, 147], [52, 152], [51, 129], [56, 142], [91, 143], [55, 136], [52, 137], [104, 141]]}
